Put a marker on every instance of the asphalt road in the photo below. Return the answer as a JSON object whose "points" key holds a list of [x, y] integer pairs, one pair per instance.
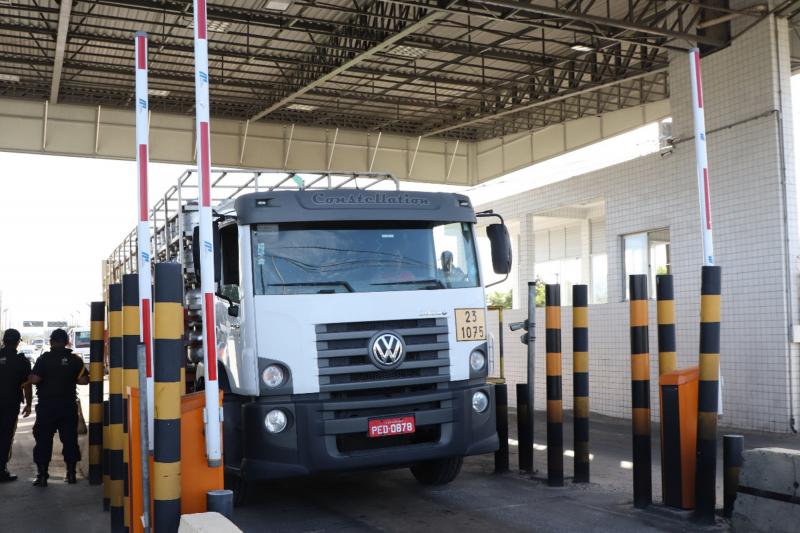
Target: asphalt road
{"points": [[478, 500]]}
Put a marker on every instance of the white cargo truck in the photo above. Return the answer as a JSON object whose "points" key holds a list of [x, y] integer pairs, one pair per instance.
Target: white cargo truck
{"points": [[351, 322]]}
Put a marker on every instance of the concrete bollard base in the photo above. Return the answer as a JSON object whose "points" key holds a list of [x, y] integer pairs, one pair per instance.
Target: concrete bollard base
{"points": [[206, 523], [768, 494]]}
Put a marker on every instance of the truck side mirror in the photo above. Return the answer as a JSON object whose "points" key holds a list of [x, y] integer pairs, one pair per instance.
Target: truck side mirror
{"points": [[217, 252], [501, 248]]}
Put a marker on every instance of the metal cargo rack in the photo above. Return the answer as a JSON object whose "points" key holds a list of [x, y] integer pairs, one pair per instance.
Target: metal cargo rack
{"points": [[171, 218]]}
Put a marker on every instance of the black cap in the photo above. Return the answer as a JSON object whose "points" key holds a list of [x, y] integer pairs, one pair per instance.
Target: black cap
{"points": [[59, 335], [11, 336]]}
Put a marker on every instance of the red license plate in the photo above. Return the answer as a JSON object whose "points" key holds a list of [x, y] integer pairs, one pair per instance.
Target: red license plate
{"points": [[385, 427]]}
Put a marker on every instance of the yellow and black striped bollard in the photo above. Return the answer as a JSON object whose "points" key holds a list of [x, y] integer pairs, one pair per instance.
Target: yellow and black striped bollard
{"points": [[667, 362], [97, 330], [106, 460], [640, 392], [665, 295], [580, 380], [116, 407], [168, 387], [130, 370], [555, 426], [732, 461], [708, 395]]}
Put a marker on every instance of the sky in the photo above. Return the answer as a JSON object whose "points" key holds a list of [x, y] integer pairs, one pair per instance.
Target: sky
{"points": [[60, 217]]}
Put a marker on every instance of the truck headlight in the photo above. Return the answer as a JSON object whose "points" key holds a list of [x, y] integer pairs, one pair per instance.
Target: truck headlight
{"points": [[477, 360], [273, 376], [480, 402], [275, 421]]}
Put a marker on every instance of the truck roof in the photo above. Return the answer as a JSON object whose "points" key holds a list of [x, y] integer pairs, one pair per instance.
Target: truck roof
{"points": [[352, 205]]}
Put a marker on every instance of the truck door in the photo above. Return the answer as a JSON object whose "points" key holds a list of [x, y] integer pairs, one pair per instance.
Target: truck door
{"points": [[229, 311]]}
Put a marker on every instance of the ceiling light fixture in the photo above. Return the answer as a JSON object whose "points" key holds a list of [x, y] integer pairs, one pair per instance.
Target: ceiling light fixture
{"points": [[158, 92], [9, 77], [582, 48], [412, 52], [301, 107], [278, 5], [217, 26]]}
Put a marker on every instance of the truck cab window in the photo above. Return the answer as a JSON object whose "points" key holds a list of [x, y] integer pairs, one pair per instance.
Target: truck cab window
{"points": [[371, 257], [229, 244]]}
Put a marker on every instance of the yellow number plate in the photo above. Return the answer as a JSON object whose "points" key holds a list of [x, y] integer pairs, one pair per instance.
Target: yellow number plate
{"points": [[471, 324]]}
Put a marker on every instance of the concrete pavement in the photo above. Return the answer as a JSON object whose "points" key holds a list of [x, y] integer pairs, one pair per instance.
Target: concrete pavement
{"points": [[391, 500]]}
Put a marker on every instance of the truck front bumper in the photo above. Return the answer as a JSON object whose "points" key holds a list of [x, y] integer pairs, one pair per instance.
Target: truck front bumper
{"points": [[326, 434]]}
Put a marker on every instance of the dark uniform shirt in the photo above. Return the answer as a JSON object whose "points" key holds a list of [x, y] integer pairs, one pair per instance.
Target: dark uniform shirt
{"points": [[14, 370], [59, 370]]}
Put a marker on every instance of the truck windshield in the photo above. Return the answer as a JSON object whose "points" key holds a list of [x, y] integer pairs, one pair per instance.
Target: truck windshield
{"points": [[386, 256], [82, 339]]}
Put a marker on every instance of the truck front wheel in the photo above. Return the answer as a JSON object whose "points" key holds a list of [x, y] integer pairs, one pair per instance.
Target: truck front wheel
{"points": [[437, 471]]}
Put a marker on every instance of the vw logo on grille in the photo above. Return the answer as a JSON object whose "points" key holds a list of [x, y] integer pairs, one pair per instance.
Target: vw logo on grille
{"points": [[387, 350]]}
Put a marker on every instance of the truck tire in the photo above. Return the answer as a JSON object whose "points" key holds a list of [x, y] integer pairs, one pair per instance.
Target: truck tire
{"points": [[437, 471]]}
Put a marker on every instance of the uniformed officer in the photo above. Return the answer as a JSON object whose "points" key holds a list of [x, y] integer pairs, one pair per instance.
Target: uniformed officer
{"points": [[14, 370], [55, 374]]}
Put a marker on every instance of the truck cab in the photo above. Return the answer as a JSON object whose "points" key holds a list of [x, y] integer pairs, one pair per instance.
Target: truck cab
{"points": [[351, 332], [80, 340]]}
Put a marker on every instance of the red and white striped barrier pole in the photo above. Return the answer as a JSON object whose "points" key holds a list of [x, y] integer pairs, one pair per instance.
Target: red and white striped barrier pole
{"points": [[143, 226], [701, 156], [212, 412], [709, 393]]}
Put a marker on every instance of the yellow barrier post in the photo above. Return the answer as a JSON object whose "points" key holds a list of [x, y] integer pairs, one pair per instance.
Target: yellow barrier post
{"points": [[640, 391], [116, 408], [580, 380], [555, 416], [130, 373], [97, 330], [708, 395], [168, 388]]}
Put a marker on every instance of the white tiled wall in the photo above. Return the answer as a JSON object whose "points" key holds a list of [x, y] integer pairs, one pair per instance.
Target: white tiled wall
{"points": [[748, 108]]}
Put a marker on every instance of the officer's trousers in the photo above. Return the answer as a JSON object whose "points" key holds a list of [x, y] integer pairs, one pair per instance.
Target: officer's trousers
{"points": [[8, 424], [52, 416]]}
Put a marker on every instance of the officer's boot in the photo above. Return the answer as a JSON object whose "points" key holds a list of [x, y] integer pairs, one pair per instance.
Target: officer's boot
{"points": [[5, 477], [71, 476], [41, 475]]}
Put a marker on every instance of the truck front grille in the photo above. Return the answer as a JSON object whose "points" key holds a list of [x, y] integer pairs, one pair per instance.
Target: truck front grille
{"points": [[344, 362], [358, 391]]}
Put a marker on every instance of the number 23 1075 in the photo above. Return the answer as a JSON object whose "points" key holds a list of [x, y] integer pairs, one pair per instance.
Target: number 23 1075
{"points": [[470, 324]]}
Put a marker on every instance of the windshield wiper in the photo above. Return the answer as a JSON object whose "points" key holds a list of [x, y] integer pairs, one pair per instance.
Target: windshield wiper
{"points": [[344, 284], [438, 283]]}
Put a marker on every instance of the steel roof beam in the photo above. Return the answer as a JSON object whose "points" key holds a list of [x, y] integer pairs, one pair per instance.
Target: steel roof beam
{"points": [[254, 58], [383, 45], [539, 103], [64, 14], [527, 7]]}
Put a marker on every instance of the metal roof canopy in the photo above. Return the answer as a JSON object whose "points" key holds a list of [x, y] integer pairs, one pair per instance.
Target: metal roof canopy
{"points": [[460, 69]]}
